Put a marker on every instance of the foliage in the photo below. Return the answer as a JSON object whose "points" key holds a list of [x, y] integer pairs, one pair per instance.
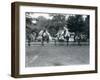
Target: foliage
{"points": [[76, 23], [58, 21], [86, 28]]}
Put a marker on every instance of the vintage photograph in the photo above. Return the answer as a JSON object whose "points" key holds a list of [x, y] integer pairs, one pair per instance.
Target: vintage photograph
{"points": [[53, 39], [56, 39]]}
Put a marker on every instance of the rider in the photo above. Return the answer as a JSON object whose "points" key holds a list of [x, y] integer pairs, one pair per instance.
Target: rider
{"points": [[66, 36], [45, 36]]}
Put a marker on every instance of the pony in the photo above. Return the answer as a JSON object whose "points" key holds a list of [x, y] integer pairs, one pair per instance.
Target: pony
{"points": [[45, 37], [63, 35]]}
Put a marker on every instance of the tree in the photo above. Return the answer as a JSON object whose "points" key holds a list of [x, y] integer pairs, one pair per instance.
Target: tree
{"points": [[30, 27], [87, 24], [75, 24], [42, 22], [57, 23], [28, 21]]}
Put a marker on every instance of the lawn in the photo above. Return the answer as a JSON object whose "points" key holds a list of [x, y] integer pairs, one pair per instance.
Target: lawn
{"points": [[59, 55]]}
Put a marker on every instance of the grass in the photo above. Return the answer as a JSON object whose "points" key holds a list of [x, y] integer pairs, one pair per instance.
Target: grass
{"points": [[50, 55]]}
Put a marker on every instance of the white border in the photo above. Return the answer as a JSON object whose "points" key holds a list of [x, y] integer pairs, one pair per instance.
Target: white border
{"points": [[36, 70]]}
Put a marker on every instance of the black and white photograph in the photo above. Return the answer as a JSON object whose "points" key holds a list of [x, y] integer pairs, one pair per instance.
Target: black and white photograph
{"points": [[54, 39]]}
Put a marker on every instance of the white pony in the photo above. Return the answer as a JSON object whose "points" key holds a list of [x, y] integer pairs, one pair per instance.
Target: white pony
{"points": [[62, 34]]}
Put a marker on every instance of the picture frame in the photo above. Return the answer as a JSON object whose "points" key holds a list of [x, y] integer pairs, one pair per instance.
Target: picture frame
{"points": [[22, 61]]}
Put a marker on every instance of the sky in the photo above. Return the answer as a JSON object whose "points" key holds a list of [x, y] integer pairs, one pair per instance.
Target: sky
{"points": [[46, 15]]}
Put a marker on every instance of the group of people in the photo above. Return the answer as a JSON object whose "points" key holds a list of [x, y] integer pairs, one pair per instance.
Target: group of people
{"points": [[45, 37]]}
